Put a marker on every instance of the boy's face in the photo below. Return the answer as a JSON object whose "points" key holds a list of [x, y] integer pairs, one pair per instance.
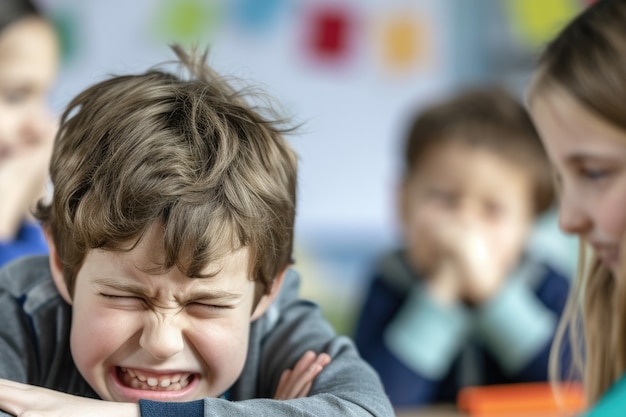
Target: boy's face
{"points": [[138, 334], [470, 190]]}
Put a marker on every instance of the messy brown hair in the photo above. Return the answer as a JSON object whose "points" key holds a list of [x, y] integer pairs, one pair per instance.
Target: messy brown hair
{"points": [[192, 155], [488, 118], [587, 60]]}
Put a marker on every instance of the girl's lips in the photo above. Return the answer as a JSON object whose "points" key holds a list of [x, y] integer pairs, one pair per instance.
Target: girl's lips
{"points": [[131, 385]]}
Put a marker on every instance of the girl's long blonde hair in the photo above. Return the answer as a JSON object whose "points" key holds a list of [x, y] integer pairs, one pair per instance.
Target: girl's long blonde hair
{"points": [[594, 324]]}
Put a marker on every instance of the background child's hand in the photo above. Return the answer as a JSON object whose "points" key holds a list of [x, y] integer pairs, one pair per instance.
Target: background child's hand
{"points": [[297, 382], [468, 261], [482, 269]]}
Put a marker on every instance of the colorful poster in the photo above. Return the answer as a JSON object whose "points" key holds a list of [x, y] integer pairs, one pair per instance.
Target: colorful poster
{"points": [[535, 22], [402, 42], [329, 36], [186, 21]]}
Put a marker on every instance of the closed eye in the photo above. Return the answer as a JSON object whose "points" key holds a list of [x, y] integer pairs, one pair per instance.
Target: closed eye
{"points": [[203, 310], [210, 306], [114, 296], [124, 300]]}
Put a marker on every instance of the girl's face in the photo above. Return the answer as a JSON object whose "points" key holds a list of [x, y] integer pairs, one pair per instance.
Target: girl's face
{"points": [[28, 63], [589, 158]]}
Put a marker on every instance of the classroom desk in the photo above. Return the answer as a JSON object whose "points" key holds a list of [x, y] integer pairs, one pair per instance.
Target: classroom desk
{"points": [[431, 411]]}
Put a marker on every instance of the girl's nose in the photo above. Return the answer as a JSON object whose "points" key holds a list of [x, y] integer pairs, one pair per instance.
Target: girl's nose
{"points": [[573, 218]]}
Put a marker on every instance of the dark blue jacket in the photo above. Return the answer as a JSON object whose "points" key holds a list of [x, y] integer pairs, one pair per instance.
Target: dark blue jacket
{"points": [[397, 332]]}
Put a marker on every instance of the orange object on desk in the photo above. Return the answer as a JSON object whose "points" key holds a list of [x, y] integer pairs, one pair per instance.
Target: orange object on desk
{"points": [[522, 400]]}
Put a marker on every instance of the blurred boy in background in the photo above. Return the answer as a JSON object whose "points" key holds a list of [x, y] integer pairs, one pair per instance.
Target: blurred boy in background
{"points": [[462, 303]]}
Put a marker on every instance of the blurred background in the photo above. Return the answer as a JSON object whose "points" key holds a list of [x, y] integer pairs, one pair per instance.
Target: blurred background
{"points": [[351, 72]]}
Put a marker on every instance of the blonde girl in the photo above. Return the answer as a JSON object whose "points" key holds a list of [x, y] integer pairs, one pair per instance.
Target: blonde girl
{"points": [[577, 99]]}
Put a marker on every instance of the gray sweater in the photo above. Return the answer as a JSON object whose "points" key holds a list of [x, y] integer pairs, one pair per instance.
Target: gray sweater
{"points": [[34, 349]]}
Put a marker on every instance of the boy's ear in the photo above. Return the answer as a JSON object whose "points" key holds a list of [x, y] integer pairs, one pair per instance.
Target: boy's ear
{"points": [[268, 299], [56, 269]]}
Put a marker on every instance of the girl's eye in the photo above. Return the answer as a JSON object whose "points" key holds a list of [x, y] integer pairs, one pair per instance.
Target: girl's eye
{"points": [[594, 174]]}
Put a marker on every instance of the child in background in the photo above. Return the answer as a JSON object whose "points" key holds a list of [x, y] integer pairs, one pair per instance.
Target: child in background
{"points": [[462, 304], [577, 99], [168, 289], [28, 63]]}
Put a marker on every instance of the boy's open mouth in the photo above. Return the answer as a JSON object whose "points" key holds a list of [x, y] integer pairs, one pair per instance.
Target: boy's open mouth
{"points": [[135, 379]]}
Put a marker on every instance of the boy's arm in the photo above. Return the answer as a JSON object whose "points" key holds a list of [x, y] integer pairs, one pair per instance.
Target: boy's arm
{"points": [[297, 382], [409, 340], [17, 398]]}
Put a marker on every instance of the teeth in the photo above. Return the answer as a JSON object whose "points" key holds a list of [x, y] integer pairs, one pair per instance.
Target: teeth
{"points": [[137, 380]]}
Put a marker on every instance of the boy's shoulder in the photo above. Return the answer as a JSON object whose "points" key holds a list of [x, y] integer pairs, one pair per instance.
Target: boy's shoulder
{"points": [[29, 279]]}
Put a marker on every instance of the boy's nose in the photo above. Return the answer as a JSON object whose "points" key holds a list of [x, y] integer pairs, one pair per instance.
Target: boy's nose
{"points": [[161, 337]]}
